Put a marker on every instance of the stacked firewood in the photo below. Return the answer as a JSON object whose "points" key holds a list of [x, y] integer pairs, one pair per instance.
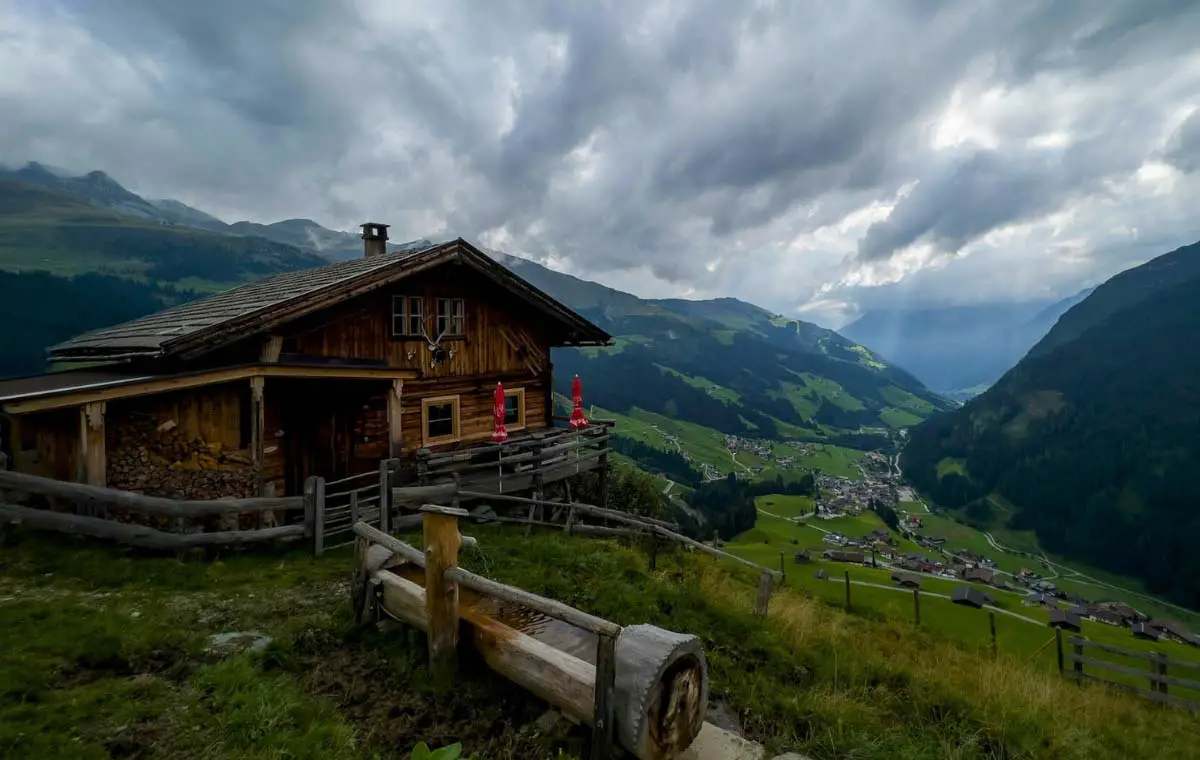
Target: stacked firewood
{"points": [[157, 460]]}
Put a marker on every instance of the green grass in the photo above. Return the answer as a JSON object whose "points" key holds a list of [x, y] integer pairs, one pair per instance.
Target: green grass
{"points": [[832, 392], [833, 460], [96, 680], [952, 466], [785, 505], [899, 418], [719, 392]]}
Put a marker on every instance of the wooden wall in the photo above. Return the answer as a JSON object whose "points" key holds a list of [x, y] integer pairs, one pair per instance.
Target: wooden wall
{"points": [[212, 413], [47, 444], [502, 333], [475, 408]]}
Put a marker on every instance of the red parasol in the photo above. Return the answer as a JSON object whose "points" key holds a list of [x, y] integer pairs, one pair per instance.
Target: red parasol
{"points": [[499, 433], [577, 418]]}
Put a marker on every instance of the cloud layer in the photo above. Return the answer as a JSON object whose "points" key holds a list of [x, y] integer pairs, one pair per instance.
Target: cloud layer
{"points": [[814, 158]]}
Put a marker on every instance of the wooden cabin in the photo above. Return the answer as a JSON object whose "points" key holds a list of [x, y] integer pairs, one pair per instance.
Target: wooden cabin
{"points": [[322, 372]]}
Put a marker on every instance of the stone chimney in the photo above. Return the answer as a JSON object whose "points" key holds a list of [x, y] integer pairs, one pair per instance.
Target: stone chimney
{"points": [[374, 237]]}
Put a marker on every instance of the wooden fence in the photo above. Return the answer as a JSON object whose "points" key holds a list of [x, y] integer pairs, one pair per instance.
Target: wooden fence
{"points": [[174, 521], [1155, 671], [520, 463]]}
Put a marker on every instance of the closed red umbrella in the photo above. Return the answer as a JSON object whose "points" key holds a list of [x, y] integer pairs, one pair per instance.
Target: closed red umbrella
{"points": [[499, 432], [577, 418]]}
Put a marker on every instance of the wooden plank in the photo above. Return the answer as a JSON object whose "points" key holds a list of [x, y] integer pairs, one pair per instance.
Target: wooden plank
{"points": [[413, 496], [136, 502], [442, 540], [139, 535]]}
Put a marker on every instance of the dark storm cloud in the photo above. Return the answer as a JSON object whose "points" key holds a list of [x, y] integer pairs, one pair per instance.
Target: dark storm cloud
{"points": [[619, 134]]}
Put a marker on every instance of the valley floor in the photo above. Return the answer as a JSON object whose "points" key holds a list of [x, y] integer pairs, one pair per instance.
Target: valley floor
{"points": [[105, 654]]}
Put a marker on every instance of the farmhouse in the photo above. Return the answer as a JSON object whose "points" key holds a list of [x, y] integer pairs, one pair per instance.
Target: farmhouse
{"points": [[323, 372]]}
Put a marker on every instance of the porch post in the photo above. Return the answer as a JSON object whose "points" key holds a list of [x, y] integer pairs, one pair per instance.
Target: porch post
{"points": [[258, 424], [92, 456], [395, 428]]}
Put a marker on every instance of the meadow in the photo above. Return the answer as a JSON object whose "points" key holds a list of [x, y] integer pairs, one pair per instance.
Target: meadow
{"points": [[108, 654]]}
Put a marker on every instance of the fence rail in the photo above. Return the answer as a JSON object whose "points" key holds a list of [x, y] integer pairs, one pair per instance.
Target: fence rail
{"points": [[1155, 672]]}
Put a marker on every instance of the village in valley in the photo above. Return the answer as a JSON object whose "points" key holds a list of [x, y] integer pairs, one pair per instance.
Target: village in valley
{"points": [[927, 554]]}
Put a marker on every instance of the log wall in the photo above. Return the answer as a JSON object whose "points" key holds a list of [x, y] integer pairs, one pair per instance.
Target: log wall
{"points": [[475, 397], [502, 334]]}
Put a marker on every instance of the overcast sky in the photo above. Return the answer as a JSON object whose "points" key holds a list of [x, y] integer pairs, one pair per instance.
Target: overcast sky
{"points": [[816, 158]]}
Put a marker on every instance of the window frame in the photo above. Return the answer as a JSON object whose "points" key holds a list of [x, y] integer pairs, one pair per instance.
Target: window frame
{"points": [[519, 394], [406, 314], [452, 314], [456, 417]]}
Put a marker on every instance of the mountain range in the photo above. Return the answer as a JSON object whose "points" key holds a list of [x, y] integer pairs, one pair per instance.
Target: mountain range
{"points": [[959, 350], [1090, 440], [723, 364]]}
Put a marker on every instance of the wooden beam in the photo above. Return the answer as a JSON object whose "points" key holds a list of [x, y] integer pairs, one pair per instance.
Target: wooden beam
{"points": [[149, 385], [136, 502], [92, 455], [138, 535], [258, 423], [272, 347], [395, 403], [440, 532]]}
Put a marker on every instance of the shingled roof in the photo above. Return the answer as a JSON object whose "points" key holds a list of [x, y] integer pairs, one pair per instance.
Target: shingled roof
{"points": [[245, 309]]}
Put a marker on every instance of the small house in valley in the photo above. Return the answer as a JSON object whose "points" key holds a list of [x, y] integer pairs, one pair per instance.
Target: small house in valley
{"points": [[323, 372]]}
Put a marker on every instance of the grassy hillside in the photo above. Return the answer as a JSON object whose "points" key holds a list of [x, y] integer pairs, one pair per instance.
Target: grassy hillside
{"points": [[733, 367], [108, 655], [55, 230], [1091, 441]]}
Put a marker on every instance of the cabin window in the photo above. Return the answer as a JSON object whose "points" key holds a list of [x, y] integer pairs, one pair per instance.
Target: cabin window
{"points": [[514, 408], [450, 316], [407, 316], [439, 418]]}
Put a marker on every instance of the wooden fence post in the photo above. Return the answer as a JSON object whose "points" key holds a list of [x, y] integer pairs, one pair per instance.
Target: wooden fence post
{"points": [[847, 591], [917, 606], [353, 507], [992, 625], [604, 723], [1160, 668], [653, 550], [319, 516], [782, 570], [1058, 646], [1078, 663], [442, 540], [385, 495], [310, 507], [765, 581]]}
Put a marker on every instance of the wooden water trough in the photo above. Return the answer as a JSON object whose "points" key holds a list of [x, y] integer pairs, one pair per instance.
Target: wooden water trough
{"points": [[640, 687]]}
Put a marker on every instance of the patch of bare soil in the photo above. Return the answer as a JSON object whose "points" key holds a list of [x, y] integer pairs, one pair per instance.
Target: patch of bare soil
{"points": [[378, 681]]}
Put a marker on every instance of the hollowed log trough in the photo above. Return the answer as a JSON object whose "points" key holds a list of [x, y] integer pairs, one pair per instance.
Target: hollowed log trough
{"points": [[659, 692]]}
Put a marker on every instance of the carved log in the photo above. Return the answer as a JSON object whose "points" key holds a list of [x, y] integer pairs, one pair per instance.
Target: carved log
{"points": [[661, 692]]}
